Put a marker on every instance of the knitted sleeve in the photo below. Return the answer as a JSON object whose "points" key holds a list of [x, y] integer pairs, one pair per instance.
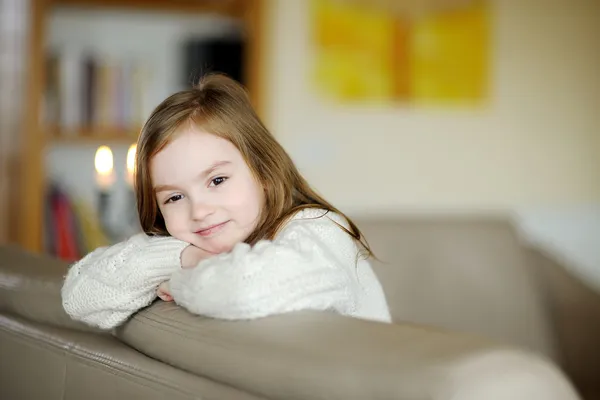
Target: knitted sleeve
{"points": [[310, 265], [111, 283]]}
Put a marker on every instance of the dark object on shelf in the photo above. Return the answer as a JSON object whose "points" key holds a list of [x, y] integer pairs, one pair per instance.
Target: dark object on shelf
{"points": [[201, 56]]}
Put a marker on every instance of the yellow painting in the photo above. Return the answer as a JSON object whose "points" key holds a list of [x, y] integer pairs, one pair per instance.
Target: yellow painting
{"points": [[353, 64], [449, 55], [365, 53]]}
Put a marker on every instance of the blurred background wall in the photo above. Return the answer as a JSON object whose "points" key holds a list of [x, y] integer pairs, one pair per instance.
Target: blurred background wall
{"points": [[535, 143]]}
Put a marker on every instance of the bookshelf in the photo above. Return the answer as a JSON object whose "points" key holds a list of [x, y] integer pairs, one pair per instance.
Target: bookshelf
{"points": [[37, 134], [86, 135]]}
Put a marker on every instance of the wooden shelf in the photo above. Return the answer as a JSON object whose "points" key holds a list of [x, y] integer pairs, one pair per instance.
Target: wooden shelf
{"points": [[234, 8], [93, 135]]}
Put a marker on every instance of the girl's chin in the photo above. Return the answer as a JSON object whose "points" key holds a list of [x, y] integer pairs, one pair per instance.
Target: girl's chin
{"points": [[216, 248]]}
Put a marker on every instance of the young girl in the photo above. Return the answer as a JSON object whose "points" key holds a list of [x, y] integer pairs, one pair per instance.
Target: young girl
{"points": [[231, 228]]}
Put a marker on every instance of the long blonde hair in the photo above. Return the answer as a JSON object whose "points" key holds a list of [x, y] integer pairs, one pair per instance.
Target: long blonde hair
{"points": [[219, 105]]}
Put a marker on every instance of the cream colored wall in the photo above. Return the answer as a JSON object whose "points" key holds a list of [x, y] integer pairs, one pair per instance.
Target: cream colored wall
{"points": [[536, 143]]}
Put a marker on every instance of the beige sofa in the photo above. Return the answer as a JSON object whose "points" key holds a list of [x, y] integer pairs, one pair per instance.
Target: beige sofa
{"points": [[477, 316]]}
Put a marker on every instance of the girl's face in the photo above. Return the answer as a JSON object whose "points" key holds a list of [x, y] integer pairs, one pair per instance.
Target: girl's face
{"points": [[205, 191]]}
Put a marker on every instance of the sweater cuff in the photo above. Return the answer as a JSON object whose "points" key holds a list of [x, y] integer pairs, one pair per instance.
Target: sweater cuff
{"points": [[179, 291], [163, 253]]}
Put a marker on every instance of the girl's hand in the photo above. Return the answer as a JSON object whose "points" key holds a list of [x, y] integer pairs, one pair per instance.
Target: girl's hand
{"points": [[164, 291], [192, 255]]}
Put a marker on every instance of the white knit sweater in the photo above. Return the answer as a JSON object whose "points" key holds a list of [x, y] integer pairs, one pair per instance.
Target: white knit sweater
{"points": [[311, 264]]}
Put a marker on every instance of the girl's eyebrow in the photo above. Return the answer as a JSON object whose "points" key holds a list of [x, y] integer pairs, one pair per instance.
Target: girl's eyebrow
{"points": [[201, 176], [212, 168]]}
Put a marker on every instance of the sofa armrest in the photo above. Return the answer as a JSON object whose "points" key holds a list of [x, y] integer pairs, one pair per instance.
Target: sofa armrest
{"points": [[312, 355], [30, 287]]}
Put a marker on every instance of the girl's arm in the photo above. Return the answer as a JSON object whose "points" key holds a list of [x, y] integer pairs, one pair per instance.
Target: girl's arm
{"points": [[310, 265], [109, 284]]}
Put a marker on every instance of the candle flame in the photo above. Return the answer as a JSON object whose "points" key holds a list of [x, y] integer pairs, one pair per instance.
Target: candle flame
{"points": [[131, 158], [104, 160]]}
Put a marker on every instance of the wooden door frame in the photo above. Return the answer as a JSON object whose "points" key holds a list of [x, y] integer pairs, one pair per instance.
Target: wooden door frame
{"points": [[28, 201]]}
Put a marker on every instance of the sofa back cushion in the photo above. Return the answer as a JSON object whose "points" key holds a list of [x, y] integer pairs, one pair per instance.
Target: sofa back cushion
{"points": [[465, 273], [30, 287]]}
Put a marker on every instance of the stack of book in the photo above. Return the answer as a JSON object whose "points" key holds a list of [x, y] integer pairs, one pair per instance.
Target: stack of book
{"points": [[71, 228], [87, 95]]}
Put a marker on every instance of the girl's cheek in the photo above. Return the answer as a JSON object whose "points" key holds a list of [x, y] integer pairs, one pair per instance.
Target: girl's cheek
{"points": [[170, 223], [235, 198]]}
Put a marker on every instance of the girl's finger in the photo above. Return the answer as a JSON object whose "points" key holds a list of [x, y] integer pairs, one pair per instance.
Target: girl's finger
{"points": [[165, 297]]}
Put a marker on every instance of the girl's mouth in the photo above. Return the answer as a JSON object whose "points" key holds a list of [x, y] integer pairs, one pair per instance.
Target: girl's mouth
{"points": [[211, 229]]}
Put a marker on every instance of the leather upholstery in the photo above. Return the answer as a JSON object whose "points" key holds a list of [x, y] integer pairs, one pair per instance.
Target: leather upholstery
{"points": [[466, 274], [312, 355], [44, 362], [30, 287]]}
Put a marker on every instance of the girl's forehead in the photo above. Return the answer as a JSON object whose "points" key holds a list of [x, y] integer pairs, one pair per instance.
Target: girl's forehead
{"points": [[196, 144], [191, 152]]}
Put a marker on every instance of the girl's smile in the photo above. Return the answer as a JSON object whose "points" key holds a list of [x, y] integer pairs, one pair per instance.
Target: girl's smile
{"points": [[211, 230]]}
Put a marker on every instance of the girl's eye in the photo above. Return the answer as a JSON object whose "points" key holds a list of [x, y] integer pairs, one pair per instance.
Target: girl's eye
{"points": [[173, 199], [217, 181]]}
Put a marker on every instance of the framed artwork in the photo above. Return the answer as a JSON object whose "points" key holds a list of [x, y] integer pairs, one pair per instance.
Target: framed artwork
{"points": [[369, 53]]}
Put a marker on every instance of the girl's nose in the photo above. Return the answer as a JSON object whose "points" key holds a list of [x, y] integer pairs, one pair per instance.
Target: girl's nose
{"points": [[201, 210]]}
